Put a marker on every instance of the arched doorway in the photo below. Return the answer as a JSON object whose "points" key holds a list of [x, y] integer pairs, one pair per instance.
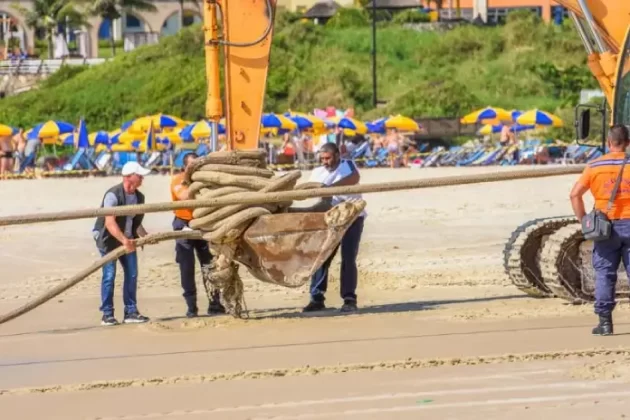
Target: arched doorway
{"points": [[172, 24], [12, 35]]}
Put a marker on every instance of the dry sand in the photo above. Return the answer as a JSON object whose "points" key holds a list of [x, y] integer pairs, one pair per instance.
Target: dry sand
{"points": [[432, 293]]}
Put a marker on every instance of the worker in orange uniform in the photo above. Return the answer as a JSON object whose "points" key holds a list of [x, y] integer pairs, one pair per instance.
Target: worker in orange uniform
{"points": [[600, 177], [185, 250]]}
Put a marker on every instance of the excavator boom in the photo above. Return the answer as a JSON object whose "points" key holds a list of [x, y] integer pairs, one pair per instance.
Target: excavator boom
{"points": [[246, 29]]}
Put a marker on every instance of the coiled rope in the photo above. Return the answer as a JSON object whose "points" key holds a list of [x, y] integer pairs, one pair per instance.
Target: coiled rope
{"points": [[231, 175], [229, 190]]}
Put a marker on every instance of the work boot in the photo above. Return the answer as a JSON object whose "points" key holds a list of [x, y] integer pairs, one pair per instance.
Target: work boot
{"points": [[216, 308], [191, 302], [314, 305], [349, 305], [605, 326]]}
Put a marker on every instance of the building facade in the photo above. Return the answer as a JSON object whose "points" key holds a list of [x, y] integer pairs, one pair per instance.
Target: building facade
{"points": [[497, 10], [133, 28], [145, 27]]}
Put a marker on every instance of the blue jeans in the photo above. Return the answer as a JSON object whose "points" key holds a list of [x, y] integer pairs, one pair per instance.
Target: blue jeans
{"points": [[607, 255], [349, 251], [129, 264]]}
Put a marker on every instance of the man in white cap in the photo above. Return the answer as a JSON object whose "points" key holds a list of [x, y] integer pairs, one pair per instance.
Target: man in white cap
{"points": [[111, 232]]}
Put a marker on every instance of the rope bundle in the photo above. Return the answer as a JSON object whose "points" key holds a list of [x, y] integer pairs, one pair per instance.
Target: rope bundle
{"points": [[232, 175]]}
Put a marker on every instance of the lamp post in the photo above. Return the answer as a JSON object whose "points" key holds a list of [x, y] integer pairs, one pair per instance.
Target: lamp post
{"points": [[374, 95]]}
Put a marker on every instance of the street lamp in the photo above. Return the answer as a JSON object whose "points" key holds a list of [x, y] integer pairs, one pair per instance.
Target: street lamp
{"points": [[374, 95]]}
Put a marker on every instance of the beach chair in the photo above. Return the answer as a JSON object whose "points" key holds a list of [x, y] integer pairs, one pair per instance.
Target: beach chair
{"points": [[80, 161], [378, 159]]}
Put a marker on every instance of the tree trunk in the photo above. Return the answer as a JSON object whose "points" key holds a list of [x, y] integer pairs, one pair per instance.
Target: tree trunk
{"points": [[181, 14], [111, 36], [51, 47]]}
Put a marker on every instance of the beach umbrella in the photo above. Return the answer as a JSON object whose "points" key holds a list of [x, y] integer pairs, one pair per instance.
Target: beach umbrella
{"points": [[50, 129], [493, 129], [173, 137], [277, 121], [401, 123], [376, 126], [149, 143], [488, 115], [100, 137], [7, 130], [306, 121], [159, 121], [120, 136], [351, 124], [538, 117], [515, 114], [200, 129]]}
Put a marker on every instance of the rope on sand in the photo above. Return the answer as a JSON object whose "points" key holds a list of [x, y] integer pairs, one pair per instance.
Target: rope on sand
{"points": [[83, 274], [229, 190]]}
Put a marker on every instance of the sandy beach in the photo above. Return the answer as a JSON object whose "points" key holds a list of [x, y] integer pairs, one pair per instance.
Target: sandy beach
{"points": [[440, 327]]}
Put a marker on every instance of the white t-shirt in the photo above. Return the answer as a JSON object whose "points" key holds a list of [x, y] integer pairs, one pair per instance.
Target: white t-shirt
{"points": [[346, 168]]}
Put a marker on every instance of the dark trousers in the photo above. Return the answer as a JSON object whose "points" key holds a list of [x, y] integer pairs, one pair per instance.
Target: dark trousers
{"points": [[185, 250], [606, 258], [349, 251]]}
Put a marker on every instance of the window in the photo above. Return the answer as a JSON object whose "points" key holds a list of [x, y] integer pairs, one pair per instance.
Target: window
{"points": [[498, 16], [621, 114], [133, 22]]}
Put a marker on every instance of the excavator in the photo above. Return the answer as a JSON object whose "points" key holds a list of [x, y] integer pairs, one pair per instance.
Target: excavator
{"points": [[543, 258], [549, 257]]}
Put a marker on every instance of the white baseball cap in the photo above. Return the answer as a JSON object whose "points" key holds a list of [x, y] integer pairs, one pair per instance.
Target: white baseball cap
{"points": [[131, 168]]}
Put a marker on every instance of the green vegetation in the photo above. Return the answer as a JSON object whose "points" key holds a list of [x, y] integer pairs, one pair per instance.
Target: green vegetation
{"points": [[522, 65]]}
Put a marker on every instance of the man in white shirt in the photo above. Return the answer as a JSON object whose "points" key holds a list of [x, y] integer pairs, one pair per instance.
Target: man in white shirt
{"points": [[337, 172]]}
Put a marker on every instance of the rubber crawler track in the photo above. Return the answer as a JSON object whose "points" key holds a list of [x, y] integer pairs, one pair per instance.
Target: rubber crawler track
{"points": [[560, 264], [521, 254]]}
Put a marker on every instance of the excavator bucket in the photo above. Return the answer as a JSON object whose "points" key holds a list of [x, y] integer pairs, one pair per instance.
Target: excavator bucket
{"points": [[286, 249]]}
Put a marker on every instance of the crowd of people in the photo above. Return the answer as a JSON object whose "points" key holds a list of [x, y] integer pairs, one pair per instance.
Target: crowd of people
{"points": [[396, 147]]}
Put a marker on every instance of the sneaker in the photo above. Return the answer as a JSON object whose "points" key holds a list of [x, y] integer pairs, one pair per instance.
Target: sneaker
{"points": [[349, 306], [314, 305], [135, 318], [191, 313], [216, 308], [109, 320]]}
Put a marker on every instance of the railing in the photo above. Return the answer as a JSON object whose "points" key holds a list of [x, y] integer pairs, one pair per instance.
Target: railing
{"points": [[36, 67]]}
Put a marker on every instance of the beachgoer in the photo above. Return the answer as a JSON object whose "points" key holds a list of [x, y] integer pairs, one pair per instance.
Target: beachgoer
{"points": [[111, 232], [19, 140], [599, 177], [185, 250], [393, 145], [7, 153], [336, 172], [30, 154]]}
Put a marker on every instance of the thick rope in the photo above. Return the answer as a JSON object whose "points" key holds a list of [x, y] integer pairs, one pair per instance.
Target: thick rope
{"points": [[83, 274], [258, 198]]}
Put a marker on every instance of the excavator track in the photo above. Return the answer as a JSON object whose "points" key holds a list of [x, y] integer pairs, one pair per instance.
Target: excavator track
{"points": [[566, 266], [522, 251], [561, 266]]}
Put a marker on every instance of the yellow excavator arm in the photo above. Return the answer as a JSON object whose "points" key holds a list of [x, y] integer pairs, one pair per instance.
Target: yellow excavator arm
{"points": [[243, 30], [603, 27]]}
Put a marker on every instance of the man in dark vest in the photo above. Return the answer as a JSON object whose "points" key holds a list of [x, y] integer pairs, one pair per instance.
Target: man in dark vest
{"points": [[111, 232]]}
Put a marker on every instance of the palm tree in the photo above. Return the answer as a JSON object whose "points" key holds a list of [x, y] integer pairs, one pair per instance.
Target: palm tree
{"points": [[181, 11], [49, 14], [114, 9]]}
